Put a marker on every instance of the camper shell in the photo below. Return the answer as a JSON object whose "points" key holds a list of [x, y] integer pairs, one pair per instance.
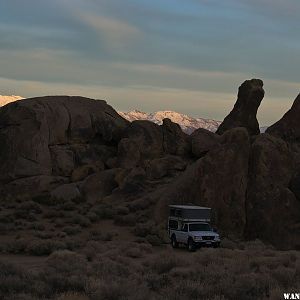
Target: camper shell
{"points": [[190, 213]]}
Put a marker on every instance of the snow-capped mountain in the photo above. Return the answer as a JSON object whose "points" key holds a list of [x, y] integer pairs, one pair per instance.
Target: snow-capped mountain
{"points": [[187, 123], [7, 99]]}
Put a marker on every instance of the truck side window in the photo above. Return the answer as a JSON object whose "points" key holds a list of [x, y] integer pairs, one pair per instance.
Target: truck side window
{"points": [[178, 213], [185, 228], [173, 224]]}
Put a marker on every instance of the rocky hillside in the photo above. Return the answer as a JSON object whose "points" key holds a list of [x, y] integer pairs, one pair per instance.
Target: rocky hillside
{"points": [[188, 124], [67, 148]]}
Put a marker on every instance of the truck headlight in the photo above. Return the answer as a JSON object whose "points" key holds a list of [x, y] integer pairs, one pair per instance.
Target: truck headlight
{"points": [[197, 238]]}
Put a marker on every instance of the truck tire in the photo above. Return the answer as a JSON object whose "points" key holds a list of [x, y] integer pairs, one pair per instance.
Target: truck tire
{"points": [[191, 245], [174, 241]]}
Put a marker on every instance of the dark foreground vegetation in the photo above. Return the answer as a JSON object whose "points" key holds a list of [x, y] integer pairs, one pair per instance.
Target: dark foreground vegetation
{"points": [[114, 270], [72, 250]]}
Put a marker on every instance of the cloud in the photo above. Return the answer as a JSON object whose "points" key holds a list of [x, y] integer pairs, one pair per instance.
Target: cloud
{"points": [[198, 103], [114, 32], [201, 103], [280, 8], [153, 55]]}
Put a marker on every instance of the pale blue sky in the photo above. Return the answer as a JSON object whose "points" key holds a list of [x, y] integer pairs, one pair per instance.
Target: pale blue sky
{"points": [[183, 55]]}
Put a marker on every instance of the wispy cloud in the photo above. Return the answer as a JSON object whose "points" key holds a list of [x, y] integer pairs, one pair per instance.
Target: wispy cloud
{"points": [[183, 55], [169, 70], [113, 31], [209, 104], [282, 8]]}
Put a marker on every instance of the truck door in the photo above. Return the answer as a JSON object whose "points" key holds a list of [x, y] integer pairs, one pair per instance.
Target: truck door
{"points": [[183, 234], [172, 226]]}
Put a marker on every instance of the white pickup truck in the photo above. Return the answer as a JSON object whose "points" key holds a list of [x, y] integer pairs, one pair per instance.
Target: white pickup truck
{"points": [[189, 225]]}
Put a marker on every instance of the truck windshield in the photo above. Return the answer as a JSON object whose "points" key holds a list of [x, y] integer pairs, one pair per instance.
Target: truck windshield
{"points": [[199, 227]]}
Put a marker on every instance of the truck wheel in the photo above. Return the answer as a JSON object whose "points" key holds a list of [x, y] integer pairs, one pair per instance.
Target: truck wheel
{"points": [[174, 242], [191, 245]]}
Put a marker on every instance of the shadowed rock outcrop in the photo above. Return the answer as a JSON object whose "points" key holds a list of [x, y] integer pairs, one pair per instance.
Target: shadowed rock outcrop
{"points": [[51, 136], [273, 212], [128, 153], [175, 141], [147, 137], [217, 180], [60, 145], [244, 112], [99, 185], [288, 127], [160, 167], [203, 141], [73, 147]]}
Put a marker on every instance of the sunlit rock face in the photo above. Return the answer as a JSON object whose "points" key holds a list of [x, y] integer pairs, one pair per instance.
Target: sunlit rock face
{"points": [[8, 99], [53, 136]]}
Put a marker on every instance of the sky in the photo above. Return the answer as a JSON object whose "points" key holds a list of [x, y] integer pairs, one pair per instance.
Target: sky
{"points": [[184, 55]]}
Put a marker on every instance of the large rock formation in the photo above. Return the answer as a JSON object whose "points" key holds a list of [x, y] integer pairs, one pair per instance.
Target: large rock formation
{"points": [[244, 112], [203, 141], [175, 141], [217, 180], [160, 167], [51, 136], [281, 158], [63, 146], [252, 184], [128, 153], [148, 138], [73, 147], [273, 212], [288, 127]]}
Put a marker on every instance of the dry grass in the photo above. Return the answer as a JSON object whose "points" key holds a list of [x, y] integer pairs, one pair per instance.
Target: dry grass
{"points": [[91, 257], [44, 225], [138, 271], [72, 296]]}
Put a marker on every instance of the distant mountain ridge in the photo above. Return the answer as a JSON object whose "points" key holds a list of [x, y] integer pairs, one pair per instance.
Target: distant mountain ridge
{"points": [[187, 123]]}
